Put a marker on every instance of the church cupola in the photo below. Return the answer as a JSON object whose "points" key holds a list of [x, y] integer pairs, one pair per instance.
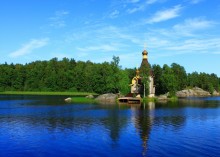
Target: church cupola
{"points": [[144, 53], [137, 73], [144, 63], [137, 84]]}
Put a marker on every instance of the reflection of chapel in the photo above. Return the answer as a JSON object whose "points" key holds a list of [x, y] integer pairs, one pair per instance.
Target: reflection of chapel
{"points": [[137, 86]]}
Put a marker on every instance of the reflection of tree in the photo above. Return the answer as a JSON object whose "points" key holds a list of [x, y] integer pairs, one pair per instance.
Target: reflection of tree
{"points": [[75, 118], [200, 102], [115, 121], [143, 122]]}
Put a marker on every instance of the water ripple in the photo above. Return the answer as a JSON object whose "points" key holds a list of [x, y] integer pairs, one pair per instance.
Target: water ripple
{"points": [[38, 127]]}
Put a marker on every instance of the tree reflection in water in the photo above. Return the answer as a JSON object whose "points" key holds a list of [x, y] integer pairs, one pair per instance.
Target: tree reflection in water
{"points": [[142, 117]]}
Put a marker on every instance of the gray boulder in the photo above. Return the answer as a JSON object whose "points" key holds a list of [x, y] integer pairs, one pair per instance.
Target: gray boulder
{"points": [[192, 92], [162, 97], [68, 99], [108, 98], [201, 92], [215, 93]]}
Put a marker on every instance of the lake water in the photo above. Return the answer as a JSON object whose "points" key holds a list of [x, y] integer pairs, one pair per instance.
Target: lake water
{"points": [[47, 126]]}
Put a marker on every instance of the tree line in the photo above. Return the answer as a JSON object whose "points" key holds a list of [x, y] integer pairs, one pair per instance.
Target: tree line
{"points": [[78, 76], [174, 78], [64, 75]]}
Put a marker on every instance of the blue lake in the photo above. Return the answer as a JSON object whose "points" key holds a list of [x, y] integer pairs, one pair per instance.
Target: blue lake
{"points": [[47, 126]]}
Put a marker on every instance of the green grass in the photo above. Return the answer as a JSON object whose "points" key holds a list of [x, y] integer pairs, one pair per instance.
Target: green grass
{"points": [[147, 99], [173, 98], [47, 93], [83, 100]]}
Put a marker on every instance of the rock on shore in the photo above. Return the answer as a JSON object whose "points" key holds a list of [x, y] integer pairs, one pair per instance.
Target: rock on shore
{"points": [[68, 99], [192, 92], [215, 93], [108, 98]]}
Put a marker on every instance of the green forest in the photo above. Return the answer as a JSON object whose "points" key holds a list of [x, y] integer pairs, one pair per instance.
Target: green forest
{"points": [[78, 76]]}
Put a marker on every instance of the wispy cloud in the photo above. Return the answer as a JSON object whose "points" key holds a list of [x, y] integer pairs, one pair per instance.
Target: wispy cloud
{"points": [[193, 27], [196, 46], [114, 14], [174, 47], [190, 25], [133, 10], [29, 47], [116, 37], [165, 15], [58, 20], [140, 6], [195, 1], [103, 48]]}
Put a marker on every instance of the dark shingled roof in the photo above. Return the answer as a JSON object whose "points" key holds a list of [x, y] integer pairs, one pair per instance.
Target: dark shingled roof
{"points": [[145, 63]]}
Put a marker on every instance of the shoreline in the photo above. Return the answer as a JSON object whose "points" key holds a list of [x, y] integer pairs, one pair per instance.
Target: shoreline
{"points": [[46, 93]]}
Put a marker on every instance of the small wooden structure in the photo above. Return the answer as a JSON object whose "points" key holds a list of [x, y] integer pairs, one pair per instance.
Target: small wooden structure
{"points": [[129, 100]]}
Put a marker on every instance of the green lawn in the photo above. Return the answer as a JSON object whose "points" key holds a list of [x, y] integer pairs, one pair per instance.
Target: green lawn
{"points": [[83, 100], [47, 93]]}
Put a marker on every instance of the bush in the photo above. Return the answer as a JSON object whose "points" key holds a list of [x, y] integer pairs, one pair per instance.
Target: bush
{"points": [[73, 89]]}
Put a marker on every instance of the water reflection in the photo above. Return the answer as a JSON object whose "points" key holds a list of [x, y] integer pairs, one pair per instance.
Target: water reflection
{"points": [[115, 121], [77, 128], [201, 102], [142, 116], [143, 119]]}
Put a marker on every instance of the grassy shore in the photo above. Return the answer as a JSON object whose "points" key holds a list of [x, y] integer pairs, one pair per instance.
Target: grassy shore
{"points": [[148, 99], [47, 93], [83, 100]]}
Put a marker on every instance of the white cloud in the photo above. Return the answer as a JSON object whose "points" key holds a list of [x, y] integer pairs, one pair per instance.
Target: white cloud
{"points": [[103, 47], [194, 27], [195, 1], [139, 8], [196, 46], [118, 34], [165, 14], [58, 20], [114, 14], [191, 25], [29, 47], [173, 47]]}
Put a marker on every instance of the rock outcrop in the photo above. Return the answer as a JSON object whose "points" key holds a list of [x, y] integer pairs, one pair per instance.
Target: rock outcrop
{"points": [[192, 92], [108, 98], [68, 99], [215, 93], [162, 97]]}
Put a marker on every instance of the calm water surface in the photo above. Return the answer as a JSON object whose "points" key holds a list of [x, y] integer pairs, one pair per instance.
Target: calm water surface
{"points": [[46, 126]]}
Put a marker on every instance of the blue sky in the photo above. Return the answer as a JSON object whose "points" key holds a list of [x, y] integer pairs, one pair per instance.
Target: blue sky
{"points": [[185, 32]]}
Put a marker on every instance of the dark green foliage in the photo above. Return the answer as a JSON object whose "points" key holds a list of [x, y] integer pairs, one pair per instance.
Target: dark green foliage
{"points": [[144, 74], [69, 75], [180, 76], [157, 70], [205, 81], [65, 75], [169, 80], [174, 78], [131, 73]]}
